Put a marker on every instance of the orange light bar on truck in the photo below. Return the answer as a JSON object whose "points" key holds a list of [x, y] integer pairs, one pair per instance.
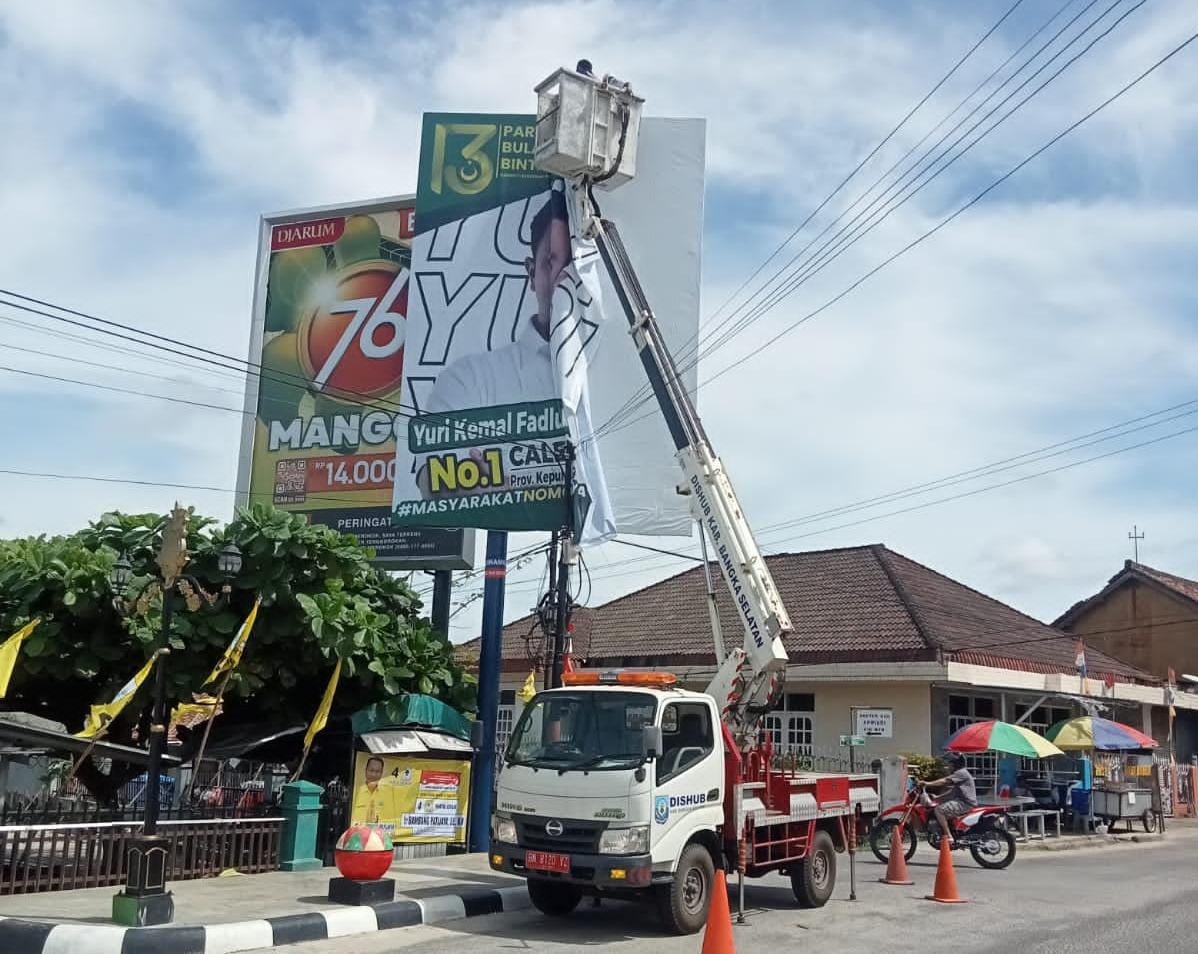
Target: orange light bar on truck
{"points": [[614, 677]]}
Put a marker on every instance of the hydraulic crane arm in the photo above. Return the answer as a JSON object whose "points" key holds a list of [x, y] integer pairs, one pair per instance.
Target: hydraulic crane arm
{"points": [[748, 678]]}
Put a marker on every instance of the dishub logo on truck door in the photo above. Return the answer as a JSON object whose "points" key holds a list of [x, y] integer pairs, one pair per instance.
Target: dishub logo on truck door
{"points": [[664, 803]]}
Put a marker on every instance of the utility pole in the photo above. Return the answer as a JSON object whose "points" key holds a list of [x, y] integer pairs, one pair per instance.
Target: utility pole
{"points": [[547, 651], [482, 776], [442, 588], [1135, 537], [567, 554]]}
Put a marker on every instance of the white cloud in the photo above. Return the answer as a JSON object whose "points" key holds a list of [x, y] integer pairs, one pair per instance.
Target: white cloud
{"points": [[1062, 304]]}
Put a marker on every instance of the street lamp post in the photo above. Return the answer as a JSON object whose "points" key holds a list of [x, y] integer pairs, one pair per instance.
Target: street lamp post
{"points": [[144, 899]]}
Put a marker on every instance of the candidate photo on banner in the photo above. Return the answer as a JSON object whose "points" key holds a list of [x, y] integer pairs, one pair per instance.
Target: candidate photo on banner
{"points": [[506, 348]]}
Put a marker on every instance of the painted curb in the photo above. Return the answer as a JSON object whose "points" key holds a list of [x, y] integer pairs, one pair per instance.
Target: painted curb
{"points": [[37, 937]]}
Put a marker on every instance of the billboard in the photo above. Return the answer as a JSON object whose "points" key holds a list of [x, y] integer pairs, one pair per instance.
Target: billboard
{"points": [[323, 414], [508, 359], [414, 799]]}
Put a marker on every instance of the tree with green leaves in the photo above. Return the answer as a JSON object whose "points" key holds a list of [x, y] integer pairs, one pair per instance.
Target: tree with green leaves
{"points": [[321, 600]]}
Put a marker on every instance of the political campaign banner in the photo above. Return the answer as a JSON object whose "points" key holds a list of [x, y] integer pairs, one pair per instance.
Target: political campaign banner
{"points": [[414, 799], [323, 413], [509, 362]]}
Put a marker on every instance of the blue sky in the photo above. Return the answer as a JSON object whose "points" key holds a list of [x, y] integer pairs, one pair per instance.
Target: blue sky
{"points": [[143, 141]]}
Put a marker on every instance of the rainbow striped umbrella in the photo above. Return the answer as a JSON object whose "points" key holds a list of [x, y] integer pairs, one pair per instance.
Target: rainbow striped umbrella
{"points": [[996, 736], [1091, 732]]}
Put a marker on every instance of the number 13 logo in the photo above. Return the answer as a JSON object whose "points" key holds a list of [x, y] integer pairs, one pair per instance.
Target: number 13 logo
{"points": [[472, 170]]}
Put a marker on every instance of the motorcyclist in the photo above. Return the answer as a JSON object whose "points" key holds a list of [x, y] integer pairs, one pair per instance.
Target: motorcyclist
{"points": [[962, 797]]}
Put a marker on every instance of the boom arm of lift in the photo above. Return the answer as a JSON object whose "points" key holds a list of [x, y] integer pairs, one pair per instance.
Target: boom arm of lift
{"points": [[748, 678]]}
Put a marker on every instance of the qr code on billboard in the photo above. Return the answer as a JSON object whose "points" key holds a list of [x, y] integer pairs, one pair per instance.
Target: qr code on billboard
{"points": [[291, 481]]}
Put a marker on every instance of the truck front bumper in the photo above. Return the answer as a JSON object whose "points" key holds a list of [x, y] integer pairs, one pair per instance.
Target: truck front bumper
{"points": [[600, 871]]}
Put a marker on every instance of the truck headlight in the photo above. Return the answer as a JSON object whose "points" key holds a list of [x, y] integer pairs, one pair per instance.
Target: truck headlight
{"points": [[624, 841], [503, 829]]}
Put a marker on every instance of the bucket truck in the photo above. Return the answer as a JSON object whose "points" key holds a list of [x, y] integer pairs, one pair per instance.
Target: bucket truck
{"points": [[622, 784]]}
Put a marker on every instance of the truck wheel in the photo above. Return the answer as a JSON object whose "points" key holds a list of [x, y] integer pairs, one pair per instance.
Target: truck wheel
{"points": [[683, 903], [813, 880], [552, 897]]}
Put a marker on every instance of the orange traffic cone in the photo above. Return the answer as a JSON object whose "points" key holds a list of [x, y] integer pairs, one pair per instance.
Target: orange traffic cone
{"points": [[896, 864], [717, 936], [946, 878]]}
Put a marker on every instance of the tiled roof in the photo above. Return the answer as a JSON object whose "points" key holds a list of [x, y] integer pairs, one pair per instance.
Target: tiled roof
{"points": [[858, 604], [1178, 584], [1133, 572]]}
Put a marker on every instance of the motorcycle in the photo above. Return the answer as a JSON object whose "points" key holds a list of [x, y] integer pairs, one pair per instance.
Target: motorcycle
{"points": [[984, 830]]}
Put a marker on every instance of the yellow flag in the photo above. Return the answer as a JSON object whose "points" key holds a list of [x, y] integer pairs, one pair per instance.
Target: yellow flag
{"points": [[9, 652], [322, 714], [191, 714], [101, 715], [233, 653], [529, 689]]}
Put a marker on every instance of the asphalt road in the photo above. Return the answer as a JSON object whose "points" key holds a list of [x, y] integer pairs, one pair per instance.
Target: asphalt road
{"points": [[1118, 898]]}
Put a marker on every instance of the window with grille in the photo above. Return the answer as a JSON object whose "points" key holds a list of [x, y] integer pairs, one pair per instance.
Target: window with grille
{"points": [[503, 728], [1041, 719], [792, 733], [966, 710]]}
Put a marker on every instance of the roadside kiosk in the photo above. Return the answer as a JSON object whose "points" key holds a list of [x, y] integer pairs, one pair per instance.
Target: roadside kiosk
{"points": [[411, 774]]}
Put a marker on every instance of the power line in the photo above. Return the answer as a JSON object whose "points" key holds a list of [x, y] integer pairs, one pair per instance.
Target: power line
{"points": [[943, 223], [851, 233], [6, 346], [970, 203], [129, 391], [921, 161], [252, 369], [984, 470], [797, 278], [941, 500], [973, 475], [108, 346], [695, 339]]}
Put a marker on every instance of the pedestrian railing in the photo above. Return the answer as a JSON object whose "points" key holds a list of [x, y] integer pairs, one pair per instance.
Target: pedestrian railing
{"points": [[58, 857]]}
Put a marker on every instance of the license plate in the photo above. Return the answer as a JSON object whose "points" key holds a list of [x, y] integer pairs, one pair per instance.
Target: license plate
{"points": [[547, 861]]}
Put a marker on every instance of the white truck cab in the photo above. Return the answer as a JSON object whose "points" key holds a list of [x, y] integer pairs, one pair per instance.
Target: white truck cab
{"points": [[604, 787]]}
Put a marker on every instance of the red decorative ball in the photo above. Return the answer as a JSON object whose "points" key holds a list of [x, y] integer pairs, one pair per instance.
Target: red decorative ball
{"points": [[363, 853]]}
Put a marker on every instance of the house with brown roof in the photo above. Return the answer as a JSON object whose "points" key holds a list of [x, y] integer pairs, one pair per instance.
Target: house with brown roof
{"points": [[880, 641], [1149, 619]]}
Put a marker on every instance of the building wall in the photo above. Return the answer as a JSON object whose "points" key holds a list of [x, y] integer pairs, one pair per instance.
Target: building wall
{"points": [[1148, 632], [910, 702]]}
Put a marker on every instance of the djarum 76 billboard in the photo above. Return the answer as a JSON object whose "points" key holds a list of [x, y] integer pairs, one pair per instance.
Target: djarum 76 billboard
{"points": [[517, 343], [323, 414]]}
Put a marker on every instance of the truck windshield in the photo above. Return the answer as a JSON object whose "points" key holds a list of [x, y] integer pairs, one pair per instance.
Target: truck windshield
{"points": [[592, 730]]}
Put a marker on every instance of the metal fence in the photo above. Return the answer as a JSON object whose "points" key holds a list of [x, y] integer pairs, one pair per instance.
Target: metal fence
{"points": [[57, 857], [67, 812], [814, 759]]}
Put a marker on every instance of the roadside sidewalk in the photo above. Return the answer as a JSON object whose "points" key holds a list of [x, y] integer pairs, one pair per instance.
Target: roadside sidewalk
{"points": [[247, 912], [1178, 829]]}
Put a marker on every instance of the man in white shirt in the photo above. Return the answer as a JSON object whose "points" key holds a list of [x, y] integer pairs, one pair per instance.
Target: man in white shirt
{"points": [[521, 371]]}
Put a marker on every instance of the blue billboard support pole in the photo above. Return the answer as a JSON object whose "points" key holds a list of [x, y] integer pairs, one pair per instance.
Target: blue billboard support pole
{"points": [[483, 773]]}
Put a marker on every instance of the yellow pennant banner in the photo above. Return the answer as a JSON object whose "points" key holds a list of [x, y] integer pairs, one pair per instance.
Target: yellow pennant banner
{"points": [[9, 652], [101, 715], [191, 714], [529, 689], [233, 653], [322, 714]]}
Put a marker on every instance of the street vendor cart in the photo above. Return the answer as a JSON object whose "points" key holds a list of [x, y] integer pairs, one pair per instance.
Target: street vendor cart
{"points": [[1124, 801]]}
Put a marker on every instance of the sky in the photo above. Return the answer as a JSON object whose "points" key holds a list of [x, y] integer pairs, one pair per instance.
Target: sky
{"points": [[143, 141]]}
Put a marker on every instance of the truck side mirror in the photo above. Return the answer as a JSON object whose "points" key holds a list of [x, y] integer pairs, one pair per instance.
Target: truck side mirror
{"points": [[477, 736], [651, 741]]}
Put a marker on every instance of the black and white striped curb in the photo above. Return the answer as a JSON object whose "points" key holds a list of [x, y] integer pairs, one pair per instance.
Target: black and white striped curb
{"points": [[36, 937]]}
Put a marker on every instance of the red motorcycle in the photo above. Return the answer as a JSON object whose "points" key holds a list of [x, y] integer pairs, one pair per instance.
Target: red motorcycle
{"points": [[985, 831]]}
